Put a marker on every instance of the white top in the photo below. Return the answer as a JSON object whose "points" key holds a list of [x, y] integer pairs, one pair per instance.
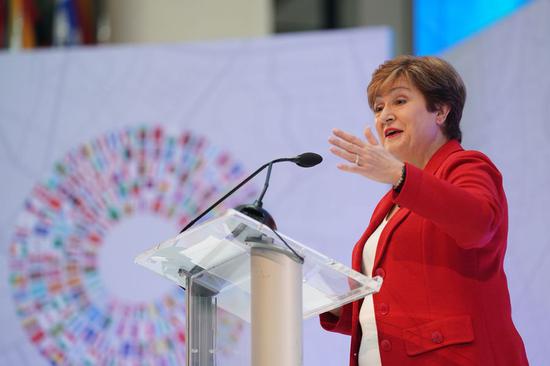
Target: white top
{"points": [[369, 353]]}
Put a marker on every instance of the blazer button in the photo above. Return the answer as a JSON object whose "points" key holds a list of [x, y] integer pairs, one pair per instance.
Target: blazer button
{"points": [[380, 272], [385, 345], [384, 309], [437, 337]]}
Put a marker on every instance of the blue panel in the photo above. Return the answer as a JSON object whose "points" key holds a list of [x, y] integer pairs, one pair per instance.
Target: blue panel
{"points": [[439, 24]]}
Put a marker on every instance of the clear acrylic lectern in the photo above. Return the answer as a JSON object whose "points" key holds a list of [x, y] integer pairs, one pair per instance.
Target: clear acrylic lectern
{"points": [[237, 265]]}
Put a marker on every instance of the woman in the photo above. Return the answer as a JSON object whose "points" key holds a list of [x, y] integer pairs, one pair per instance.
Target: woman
{"points": [[438, 237]]}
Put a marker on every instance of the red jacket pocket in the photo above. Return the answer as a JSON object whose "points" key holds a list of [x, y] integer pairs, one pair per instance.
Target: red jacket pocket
{"points": [[437, 334]]}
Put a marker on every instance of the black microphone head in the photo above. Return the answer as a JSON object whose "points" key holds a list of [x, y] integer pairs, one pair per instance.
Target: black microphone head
{"points": [[308, 159]]}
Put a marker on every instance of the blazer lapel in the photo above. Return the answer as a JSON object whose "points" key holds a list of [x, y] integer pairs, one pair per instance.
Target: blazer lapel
{"points": [[387, 202], [392, 224], [378, 215]]}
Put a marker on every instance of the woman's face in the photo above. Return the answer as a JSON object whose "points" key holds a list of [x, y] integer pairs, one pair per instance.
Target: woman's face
{"points": [[405, 127]]}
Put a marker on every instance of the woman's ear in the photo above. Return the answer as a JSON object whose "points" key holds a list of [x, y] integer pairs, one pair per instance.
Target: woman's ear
{"points": [[442, 112]]}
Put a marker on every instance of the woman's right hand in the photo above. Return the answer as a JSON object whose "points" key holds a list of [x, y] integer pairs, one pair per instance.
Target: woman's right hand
{"points": [[365, 157]]}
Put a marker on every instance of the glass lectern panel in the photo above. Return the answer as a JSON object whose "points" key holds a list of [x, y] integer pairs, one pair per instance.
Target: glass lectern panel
{"points": [[216, 257]]}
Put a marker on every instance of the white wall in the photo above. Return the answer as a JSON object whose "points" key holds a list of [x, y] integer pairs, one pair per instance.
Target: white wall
{"points": [[507, 116]]}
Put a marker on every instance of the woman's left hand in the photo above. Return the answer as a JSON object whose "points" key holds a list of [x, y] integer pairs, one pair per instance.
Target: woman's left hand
{"points": [[367, 158]]}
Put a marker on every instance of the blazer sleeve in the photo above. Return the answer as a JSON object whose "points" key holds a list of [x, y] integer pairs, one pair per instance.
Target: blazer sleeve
{"points": [[465, 200], [341, 324]]}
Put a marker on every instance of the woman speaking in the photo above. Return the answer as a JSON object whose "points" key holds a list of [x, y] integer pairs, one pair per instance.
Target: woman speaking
{"points": [[437, 238]]}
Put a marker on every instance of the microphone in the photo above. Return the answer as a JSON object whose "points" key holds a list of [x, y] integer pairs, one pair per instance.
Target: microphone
{"points": [[255, 210], [308, 160], [305, 160]]}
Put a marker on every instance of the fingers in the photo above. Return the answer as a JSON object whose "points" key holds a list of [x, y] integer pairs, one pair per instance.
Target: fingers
{"points": [[348, 137], [349, 168], [370, 136], [350, 147], [343, 154], [344, 145]]}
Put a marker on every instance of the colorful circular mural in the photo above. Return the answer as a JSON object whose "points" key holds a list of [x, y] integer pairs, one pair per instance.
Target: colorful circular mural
{"points": [[64, 305]]}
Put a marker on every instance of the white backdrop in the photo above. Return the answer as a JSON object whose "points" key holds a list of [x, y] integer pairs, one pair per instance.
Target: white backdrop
{"points": [[506, 71], [256, 100]]}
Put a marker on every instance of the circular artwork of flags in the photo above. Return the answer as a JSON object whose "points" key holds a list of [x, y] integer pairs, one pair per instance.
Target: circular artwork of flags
{"points": [[66, 302]]}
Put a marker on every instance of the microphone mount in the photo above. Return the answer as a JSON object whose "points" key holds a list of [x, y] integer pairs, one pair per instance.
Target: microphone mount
{"points": [[255, 210]]}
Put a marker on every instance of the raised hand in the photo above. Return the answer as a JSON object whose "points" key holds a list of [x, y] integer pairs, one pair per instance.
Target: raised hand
{"points": [[367, 158]]}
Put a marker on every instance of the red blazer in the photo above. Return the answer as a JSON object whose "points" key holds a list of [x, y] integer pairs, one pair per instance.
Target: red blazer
{"points": [[444, 299]]}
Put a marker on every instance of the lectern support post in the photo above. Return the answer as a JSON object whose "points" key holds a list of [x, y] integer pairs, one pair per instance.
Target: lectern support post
{"points": [[276, 307], [200, 324]]}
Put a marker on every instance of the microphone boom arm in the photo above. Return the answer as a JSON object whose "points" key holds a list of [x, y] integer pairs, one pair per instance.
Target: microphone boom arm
{"points": [[270, 164], [266, 185], [304, 160]]}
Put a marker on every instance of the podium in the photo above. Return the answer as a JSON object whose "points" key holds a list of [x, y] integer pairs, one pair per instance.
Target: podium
{"points": [[235, 264]]}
